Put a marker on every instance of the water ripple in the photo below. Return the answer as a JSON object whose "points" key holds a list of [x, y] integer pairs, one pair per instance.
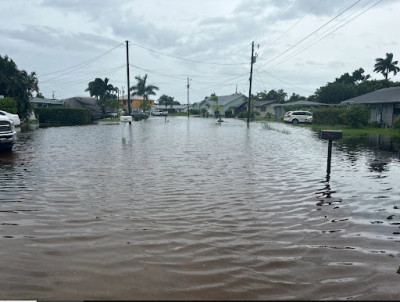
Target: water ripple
{"points": [[191, 209]]}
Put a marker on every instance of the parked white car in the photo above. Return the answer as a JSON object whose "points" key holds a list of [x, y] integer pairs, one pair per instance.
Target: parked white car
{"points": [[296, 117], [11, 116]]}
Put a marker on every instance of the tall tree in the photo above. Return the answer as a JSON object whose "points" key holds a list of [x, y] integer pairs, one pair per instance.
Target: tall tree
{"points": [[17, 84], [102, 90], [143, 90], [166, 100], [279, 95], [296, 97], [386, 65]]}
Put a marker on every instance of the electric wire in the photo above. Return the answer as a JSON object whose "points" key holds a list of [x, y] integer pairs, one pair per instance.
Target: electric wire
{"points": [[309, 35], [83, 63], [314, 42], [184, 59]]}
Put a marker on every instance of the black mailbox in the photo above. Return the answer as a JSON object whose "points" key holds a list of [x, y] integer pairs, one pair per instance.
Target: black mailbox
{"points": [[330, 134]]}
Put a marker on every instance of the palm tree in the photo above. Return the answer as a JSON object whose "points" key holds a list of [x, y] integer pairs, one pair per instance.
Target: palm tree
{"points": [[101, 90], [386, 66], [141, 89]]}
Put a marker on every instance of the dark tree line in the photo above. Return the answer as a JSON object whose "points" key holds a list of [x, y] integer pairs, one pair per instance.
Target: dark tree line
{"points": [[18, 85], [345, 87]]}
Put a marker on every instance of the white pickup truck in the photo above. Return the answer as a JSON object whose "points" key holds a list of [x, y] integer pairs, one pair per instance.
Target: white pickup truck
{"points": [[8, 135], [159, 113]]}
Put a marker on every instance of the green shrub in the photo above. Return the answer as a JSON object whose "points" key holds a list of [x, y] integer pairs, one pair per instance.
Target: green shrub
{"points": [[375, 124], [329, 115], [9, 105], [396, 122], [63, 116], [194, 111], [357, 116], [243, 114]]}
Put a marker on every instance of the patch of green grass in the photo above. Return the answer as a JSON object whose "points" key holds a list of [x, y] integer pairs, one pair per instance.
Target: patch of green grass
{"points": [[348, 132]]}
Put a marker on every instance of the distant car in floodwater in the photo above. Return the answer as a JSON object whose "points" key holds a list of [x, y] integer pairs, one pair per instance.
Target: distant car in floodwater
{"points": [[296, 117], [159, 113], [139, 114]]}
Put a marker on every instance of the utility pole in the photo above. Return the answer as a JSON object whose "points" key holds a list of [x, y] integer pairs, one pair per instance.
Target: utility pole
{"points": [[127, 74], [188, 95], [251, 79], [122, 102]]}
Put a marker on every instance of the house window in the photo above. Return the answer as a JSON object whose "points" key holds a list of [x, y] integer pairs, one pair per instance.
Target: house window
{"points": [[124, 102], [263, 109]]}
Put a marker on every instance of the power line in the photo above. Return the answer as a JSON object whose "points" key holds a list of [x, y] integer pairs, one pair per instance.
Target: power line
{"points": [[297, 22], [276, 78], [313, 43], [184, 59], [83, 63], [297, 43]]}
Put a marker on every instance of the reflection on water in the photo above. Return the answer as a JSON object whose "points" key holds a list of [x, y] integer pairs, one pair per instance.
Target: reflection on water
{"points": [[195, 209]]}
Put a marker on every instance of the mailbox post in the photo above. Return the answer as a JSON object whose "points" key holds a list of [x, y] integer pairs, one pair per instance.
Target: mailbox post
{"points": [[330, 135]]}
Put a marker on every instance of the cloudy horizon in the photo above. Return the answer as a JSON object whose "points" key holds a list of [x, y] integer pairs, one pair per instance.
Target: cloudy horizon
{"points": [[303, 44]]}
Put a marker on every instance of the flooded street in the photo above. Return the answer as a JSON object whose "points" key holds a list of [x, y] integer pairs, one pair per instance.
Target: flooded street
{"points": [[194, 209]]}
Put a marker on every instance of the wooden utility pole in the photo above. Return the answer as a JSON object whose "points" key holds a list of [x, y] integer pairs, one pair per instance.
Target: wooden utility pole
{"points": [[251, 79], [127, 74], [188, 95]]}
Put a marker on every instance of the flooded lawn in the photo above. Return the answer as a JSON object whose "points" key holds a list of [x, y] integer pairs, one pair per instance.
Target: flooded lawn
{"points": [[194, 209]]}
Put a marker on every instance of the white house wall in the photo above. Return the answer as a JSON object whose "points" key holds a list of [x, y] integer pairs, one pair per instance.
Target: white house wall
{"points": [[387, 114], [382, 113]]}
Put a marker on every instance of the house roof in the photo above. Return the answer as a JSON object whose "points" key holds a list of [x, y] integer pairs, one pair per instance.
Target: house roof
{"points": [[384, 95], [46, 101], [301, 103], [263, 103], [225, 99]]}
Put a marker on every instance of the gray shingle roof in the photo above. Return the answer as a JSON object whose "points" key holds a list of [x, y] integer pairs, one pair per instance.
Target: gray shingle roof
{"points": [[263, 103], [226, 99], [302, 103], [385, 95], [46, 101]]}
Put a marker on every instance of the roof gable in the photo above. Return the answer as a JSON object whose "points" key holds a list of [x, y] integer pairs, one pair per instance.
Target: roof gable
{"points": [[264, 103], [384, 95], [224, 100]]}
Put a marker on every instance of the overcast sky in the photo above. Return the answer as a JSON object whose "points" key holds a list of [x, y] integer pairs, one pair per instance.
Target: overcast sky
{"points": [[303, 44]]}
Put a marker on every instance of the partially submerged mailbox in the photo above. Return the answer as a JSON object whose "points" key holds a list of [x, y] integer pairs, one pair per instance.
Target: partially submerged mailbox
{"points": [[330, 134]]}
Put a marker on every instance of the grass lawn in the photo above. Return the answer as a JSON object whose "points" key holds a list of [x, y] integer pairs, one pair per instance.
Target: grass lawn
{"points": [[348, 132]]}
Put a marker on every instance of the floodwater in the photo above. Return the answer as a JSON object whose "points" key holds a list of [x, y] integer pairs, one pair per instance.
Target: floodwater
{"points": [[192, 209]]}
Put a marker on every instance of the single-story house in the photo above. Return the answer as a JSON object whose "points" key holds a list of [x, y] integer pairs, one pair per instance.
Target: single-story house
{"points": [[171, 109], [84, 102], [280, 108], [384, 104], [43, 102], [264, 107], [230, 102], [136, 101]]}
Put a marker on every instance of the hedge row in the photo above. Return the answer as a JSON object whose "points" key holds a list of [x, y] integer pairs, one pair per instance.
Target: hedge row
{"points": [[356, 116], [63, 116]]}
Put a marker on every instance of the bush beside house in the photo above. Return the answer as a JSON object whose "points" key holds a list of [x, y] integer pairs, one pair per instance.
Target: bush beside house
{"points": [[63, 116]]}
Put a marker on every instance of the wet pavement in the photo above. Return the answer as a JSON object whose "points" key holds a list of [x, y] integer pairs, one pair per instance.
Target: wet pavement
{"points": [[182, 208]]}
